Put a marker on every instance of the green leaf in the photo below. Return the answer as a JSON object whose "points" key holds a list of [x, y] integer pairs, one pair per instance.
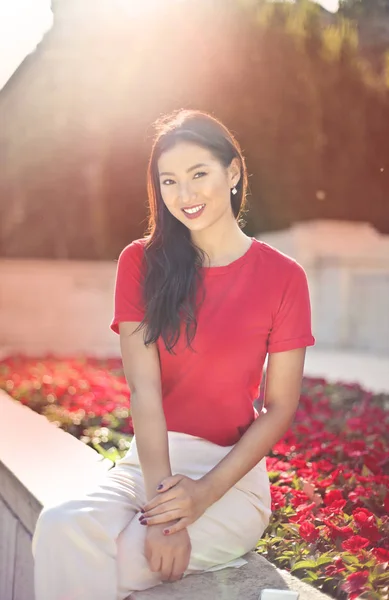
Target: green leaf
{"points": [[382, 579], [313, 575], [288, 510], [276, 540], [324, 560], [350, 559], [369, 564], [112, 454], [366, 472], [304, 564], [290, 527]]}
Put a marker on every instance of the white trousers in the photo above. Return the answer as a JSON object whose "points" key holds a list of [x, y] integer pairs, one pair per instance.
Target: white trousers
{"points": [[93, 546]]}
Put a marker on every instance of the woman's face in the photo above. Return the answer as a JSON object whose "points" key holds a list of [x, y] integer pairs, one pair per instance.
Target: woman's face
{"points": [[195, 186]]}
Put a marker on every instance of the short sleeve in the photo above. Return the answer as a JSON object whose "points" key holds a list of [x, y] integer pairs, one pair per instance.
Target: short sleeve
{"points": [[128, 295], [291, 327]]}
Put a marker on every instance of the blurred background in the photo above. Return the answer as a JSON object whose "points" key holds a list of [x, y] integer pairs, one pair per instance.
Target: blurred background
{"points": [[305, 91], [305, 88]]}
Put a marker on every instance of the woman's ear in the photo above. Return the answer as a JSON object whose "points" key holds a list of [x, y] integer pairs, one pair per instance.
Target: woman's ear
{"points": [[234, 173]]}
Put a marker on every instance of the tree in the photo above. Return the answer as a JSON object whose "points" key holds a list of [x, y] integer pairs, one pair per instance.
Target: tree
{"points": [[364, 8]]}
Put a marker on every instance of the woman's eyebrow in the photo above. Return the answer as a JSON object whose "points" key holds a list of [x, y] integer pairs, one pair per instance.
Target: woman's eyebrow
{"points": [[188, 170]]}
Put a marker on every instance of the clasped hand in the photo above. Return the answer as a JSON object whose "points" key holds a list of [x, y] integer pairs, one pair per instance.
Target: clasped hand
{"points": [[178, 499]]}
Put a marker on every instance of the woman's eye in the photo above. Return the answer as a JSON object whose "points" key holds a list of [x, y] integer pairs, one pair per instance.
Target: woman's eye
{"points": [[167, 181], [200, 174]]}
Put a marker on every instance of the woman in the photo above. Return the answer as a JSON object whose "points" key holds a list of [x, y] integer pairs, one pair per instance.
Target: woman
{"points": [[198, 305]]}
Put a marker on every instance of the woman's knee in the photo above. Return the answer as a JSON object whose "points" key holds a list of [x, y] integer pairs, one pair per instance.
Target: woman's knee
{"points": [[55, 522], [53, 517]]}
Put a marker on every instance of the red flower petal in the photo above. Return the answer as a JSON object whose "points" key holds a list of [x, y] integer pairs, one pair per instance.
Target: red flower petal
{"points": [[355, 543]]}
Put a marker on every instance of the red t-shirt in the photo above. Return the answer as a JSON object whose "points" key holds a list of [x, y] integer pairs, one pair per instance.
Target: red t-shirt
{"points": [[256, 305]]}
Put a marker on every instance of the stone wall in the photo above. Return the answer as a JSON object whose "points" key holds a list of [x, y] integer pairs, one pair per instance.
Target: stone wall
{"points": [[348, 272], [65, 307]]}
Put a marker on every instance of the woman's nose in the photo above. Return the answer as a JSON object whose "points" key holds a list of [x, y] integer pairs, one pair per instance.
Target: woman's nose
{"points": [[186, 194]]}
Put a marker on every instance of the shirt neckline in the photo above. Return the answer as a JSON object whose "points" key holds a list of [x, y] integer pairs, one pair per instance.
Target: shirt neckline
{"points": [[238, 262]]}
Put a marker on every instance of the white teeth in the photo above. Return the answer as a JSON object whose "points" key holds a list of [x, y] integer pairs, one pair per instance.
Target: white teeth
{"points": [[191, 211]]}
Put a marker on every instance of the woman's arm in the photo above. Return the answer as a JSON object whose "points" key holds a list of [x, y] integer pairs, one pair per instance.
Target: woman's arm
{"points": [[169, 556], [282, 393], [142, 372], [185, 499]]}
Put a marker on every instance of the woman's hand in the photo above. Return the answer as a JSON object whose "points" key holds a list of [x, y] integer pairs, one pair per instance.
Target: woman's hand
{"points": [[168, 555], [179, 499]]}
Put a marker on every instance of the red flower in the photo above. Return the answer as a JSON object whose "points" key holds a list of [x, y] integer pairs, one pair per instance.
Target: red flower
{"points": [[335, 531], [371, 463], [309, 532], [302, 511], [278, 499], [298, 498], [386, 503], [339, 564], [358, 493], [277, 465], [355, 584], [355, 543], [371, 532], [367, 524], [285, 489], [361, 515], [324, 483], [332, 496], [324, 465], [282, 448], [381, 554], [333, 570], [335, 508]]}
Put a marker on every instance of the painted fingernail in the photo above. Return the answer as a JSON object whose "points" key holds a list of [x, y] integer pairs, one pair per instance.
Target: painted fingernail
{"points": [[160, 486], [142, 510], [166, 532], [143, 522]]}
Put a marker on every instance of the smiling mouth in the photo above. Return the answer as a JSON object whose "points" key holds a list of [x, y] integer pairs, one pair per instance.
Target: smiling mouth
{"points": [[194, 210]]}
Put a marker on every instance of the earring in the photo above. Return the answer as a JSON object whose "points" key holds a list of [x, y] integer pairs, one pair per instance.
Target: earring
{"points": [[234, 190]]}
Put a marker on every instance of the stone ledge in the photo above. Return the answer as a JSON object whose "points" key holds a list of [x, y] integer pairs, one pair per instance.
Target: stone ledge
{"points": [[41, 457], [244, 583], [41, 464]]}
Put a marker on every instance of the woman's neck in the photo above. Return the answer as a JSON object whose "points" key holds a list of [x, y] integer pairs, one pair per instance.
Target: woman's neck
{"points": [[222, 246]]}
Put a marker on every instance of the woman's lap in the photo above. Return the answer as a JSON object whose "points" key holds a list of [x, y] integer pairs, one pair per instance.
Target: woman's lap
{"points": [[229, 525], [227, 530]]}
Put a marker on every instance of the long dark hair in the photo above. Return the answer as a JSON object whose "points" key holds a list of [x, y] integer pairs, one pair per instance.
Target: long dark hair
{"points": [[172, 261]]}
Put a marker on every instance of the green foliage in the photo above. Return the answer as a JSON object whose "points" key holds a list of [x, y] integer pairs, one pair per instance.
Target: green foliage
{"points": [[338, 38], [310, 111], [386, 69], [362, 8]]}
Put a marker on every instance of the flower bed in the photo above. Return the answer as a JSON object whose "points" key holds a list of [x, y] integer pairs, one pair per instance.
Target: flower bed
{"points": [[329, 474]]}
